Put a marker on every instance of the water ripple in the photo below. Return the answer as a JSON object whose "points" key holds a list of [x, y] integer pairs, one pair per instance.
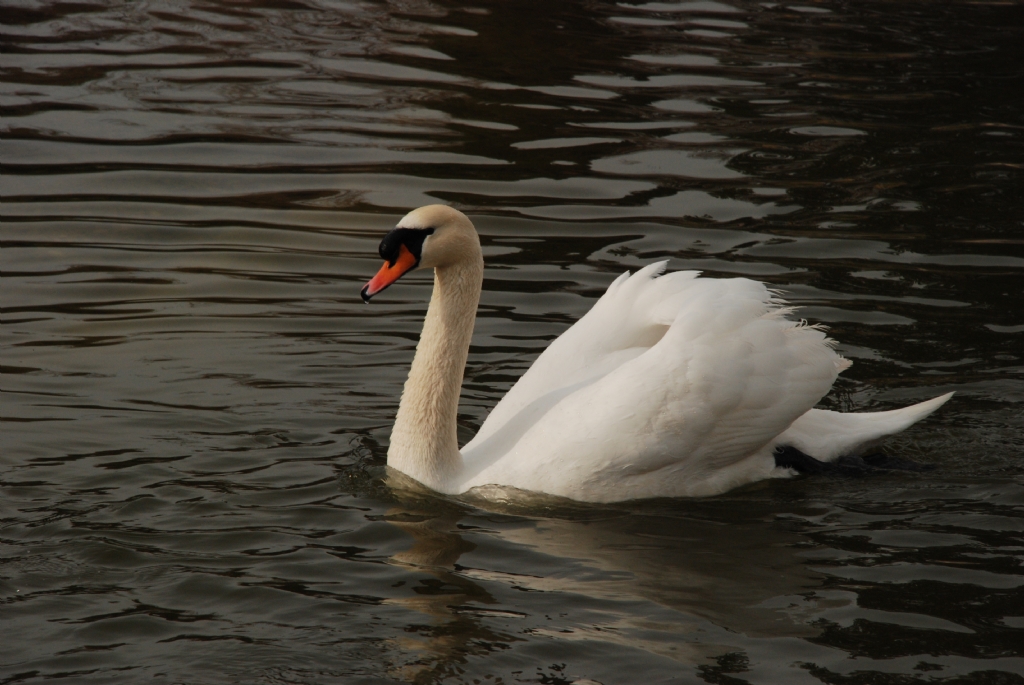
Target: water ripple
{"points": [[196, 404]]}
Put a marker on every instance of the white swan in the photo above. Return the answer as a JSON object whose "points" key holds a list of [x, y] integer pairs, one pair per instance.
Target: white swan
{"points": [[672, 385]]}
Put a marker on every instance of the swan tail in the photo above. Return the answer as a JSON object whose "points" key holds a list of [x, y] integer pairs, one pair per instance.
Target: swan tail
{"points": [[828, 435]]}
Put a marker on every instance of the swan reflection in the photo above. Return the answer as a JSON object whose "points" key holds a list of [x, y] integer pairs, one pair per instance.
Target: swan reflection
{"points": [[710, 576], [446, 601]]}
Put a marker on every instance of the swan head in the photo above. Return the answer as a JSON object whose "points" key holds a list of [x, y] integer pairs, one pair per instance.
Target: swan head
{"points": [[435, 236]]}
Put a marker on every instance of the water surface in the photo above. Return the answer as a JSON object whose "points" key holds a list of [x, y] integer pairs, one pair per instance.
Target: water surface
{"points": [[196, 404]]}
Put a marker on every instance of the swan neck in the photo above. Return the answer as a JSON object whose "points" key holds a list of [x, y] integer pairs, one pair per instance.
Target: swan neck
{"points": [[424, 442]]}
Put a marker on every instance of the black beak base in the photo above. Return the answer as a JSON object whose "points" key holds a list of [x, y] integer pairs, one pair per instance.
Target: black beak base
{"points": [[412, 238]]}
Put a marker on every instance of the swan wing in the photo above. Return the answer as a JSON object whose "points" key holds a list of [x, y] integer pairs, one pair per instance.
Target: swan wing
{"points": [[632, 315], [703, 377]]}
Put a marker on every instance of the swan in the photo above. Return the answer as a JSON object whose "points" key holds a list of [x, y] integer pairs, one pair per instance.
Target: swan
{"points": [[670, 386]]}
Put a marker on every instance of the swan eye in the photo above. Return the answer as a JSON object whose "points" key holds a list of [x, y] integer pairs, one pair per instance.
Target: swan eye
{"points": [[412, 238]]}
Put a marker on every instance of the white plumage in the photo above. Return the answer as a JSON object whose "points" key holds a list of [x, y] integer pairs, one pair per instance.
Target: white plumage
{"points": [[672, 385]]}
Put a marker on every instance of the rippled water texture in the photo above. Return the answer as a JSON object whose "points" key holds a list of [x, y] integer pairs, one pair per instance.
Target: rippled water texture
{"points": [[197, 405]]}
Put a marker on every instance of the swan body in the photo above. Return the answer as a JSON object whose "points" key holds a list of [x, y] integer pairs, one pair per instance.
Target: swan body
{"points": [[671, 385]]}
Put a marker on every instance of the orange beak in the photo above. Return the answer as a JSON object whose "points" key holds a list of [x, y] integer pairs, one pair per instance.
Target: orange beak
{"points": [[389, 273]]}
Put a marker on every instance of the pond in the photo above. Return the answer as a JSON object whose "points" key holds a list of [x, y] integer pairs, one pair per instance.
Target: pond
{"points": [[197, 404]]}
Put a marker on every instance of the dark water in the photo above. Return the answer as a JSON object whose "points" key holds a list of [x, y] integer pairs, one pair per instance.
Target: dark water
{"points": [[196, 405]]}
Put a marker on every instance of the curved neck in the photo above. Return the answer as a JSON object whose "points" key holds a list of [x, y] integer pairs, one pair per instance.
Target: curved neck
{"points": [[424, 442]]}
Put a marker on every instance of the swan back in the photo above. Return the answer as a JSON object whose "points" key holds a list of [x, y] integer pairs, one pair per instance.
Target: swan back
{"points": [[667, 380]]}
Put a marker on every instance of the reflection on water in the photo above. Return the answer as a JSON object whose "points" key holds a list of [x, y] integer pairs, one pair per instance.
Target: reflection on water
{"points": [[197, 405], [693, 584]]}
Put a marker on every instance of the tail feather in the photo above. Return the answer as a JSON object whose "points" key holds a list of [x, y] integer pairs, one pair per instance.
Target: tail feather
{"points": [[828, 435]]}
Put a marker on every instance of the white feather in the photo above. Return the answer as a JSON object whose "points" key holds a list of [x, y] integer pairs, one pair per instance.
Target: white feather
{"points": [[664, 383], [828, 435]]}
